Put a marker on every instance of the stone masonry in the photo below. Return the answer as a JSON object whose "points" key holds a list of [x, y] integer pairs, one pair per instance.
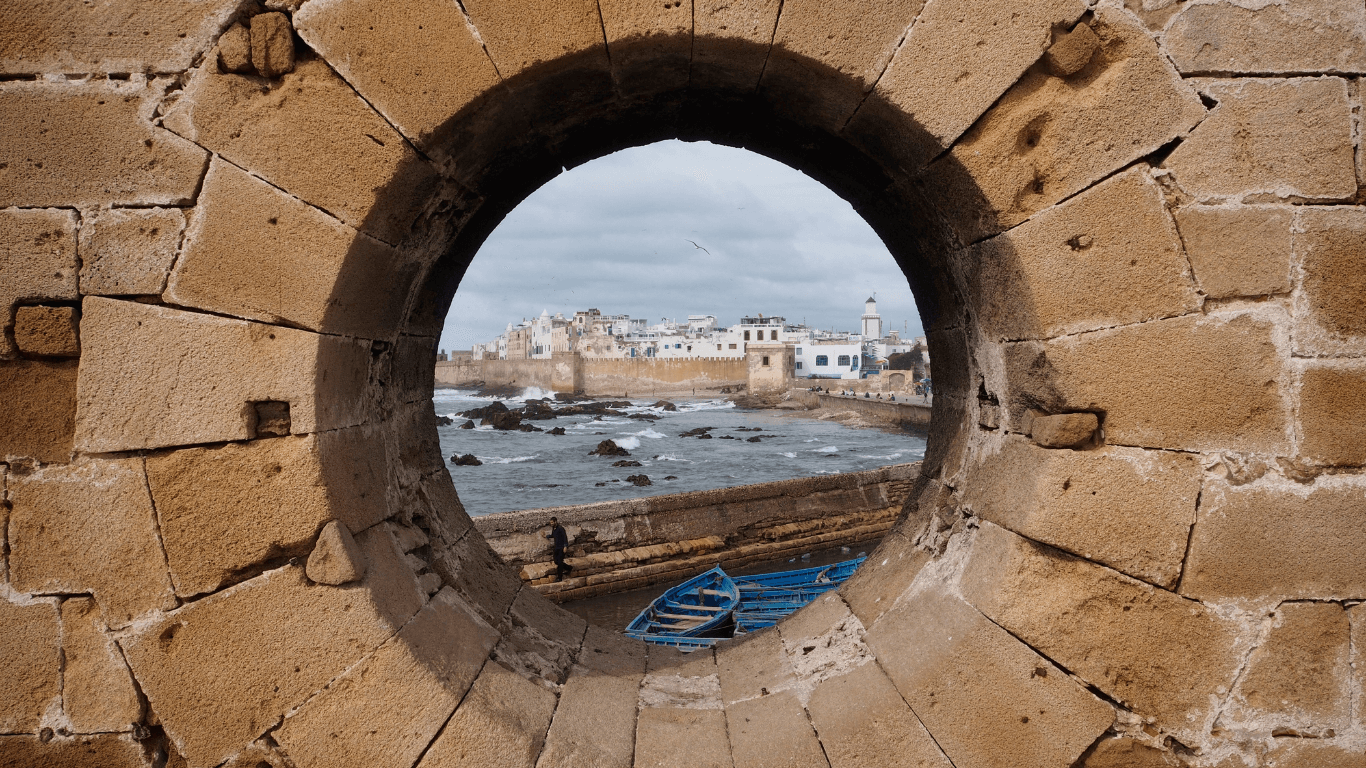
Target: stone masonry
{"points": [[230, 231]]}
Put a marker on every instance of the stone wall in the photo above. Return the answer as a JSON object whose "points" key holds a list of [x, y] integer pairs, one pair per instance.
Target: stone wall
{"points": [[601, 377], [230, 232], [914, 415]]}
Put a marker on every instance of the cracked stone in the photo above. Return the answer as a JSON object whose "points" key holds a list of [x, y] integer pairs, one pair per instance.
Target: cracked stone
{"points": [[336, 559]]}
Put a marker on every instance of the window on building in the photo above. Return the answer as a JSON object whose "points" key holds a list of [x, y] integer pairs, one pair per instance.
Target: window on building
{"points": [[732, 346], [773, 335], [746, 335], [822, 361], [799, 365], [799, 350], [718, 347], [844, 360], [765, 360]]}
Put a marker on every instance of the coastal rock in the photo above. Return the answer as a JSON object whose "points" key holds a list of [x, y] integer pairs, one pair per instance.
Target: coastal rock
{"points": [[704, 436], [538, 410], [754, 439], [627, 463], [556, 431], [665, 405], [444, 421], [467, 425], [639, 480], [504, 421], [644, 417], [699, 432], [608, 448], [468, 460], [671, 477]]}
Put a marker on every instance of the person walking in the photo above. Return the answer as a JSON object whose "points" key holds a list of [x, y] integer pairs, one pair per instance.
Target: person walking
{"points": [[559, 540]]}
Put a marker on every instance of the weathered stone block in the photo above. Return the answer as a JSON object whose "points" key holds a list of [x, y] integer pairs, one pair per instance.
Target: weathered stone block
{"points": [[1291, 37], [595, 723], [119, 36], [773, 731], [272, 44], [649, 43], [254, 252], [1330, 257], [37, 262], [520, 35], [1110, 256], [887, 573], [502, 723], [387, 709], [862, 720], [1163, 656], [1071, 51], [40, 404], [128, 251], [1190, 383], [1299, 679], [58, 545], [1238, 152], [89, 144], [987, 698], [98, 695], [1238, 250], [1129, 509], [335, 558], [1064, 430], [1123, 752], [1277, 539], [1356, 615], [1313, 753], [731, 42], [1048, 138], [539, 638], [29, 663], [47, 331], [105, 750], [234, 50], [341, 156], [1333, 415], [676, 737], [205, 372], [753, 668], [479, 576]]}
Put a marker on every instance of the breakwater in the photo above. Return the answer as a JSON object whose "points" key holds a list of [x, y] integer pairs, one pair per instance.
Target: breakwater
{"points": [[912, 414]]}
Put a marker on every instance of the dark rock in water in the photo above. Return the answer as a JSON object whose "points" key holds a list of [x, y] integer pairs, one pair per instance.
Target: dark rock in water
{"points": [[599, 485], [754, 439], [671, 477], [704, 436], [556, 431], [725, 437], [528, 428], [537, 410], [749, 429], [608, 448], [467, 425], [506, 420], [627, 463], [468, 460], [644, 416], [565, 397], [617, 404], [639, 480], [665, 405], [444, 421], [699, 432], [486, 411]]}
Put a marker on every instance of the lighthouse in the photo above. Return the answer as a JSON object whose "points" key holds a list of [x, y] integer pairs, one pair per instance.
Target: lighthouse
{"points": [[872, 321]]}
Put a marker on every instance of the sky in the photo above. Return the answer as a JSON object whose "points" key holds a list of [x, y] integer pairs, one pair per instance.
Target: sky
{"points": [[617, 234]]}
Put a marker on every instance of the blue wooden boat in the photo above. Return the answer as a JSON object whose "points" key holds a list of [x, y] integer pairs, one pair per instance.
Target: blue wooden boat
{"points": [[766, 598], [700, 607]]}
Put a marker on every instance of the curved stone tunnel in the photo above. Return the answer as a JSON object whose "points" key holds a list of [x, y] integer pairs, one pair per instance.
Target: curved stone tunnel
{"points": [[231, 232]]}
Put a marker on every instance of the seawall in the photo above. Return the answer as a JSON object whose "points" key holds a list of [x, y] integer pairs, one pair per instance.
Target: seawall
{"points": [[606, 377], [911, 414]]}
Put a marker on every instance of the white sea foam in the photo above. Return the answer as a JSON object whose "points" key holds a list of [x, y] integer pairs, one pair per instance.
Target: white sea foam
{"points": [[705, 405], [889, 456], [667, 457], [650, 433], [826, 449], [501, 460], [536, 393], [812, 440], [629, 443], [789, 455]]}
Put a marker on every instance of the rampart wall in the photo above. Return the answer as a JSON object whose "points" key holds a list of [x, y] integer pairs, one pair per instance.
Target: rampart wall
{"points": [[605, 377]]}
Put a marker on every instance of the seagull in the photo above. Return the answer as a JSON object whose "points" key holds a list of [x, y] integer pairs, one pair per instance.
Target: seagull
{"points": [[698, 247]]}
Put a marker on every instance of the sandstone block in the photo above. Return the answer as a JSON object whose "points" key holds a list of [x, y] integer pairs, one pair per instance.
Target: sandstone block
{"points": [[1357, 617], [1071, 51], [1238, 250], [29, 663], [254, 252], [1122, 752], [1298, 36], [40, 400], [234, 50], [731, 41], [206, 372], [1110, 256], [539, 638], [58, 545], [1276, 539], [128, 251], [335, 559], [1163, 656], [1313, 753], [595, 723], [47, 331], [1333, 415], [90, 143], [387, 709], [479, 576], [98, 695], [887, 573], [105, 750], [649, 44], [204, 672], [272, 44], [1064, 430], [1328, 255], [1237, 153], [773, 731], [676, 737], [119, 36], [610, 653], [862, 720], [524, 34], [341, 157], [37, 262], [753, 668], [1188, 383], [1299, 679], [1048, 138], [501, 724], [987, 698], [1129, 509]]}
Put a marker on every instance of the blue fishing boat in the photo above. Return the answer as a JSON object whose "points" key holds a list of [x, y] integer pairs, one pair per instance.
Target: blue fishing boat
{"points": [[700, 607], [766, 598]]}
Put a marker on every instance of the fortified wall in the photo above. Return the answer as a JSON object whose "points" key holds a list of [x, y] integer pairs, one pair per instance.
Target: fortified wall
{"points": [[230, 233], [601, 377]]}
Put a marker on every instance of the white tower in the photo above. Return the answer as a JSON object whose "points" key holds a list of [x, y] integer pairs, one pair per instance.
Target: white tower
{"points": [[872, 321]]}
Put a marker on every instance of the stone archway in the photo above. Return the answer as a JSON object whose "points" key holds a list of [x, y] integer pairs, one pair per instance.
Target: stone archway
{"points": [[230, 536]]}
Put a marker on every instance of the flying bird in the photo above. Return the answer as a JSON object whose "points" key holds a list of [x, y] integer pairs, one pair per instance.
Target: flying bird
{"points": [[698, 247]]}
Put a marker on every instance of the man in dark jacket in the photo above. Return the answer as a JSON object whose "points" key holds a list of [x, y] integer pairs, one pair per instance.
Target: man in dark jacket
{"points": [[558, 541]]}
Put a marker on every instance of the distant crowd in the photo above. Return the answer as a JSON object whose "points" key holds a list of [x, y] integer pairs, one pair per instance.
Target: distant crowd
{"points": [[922, 388]]}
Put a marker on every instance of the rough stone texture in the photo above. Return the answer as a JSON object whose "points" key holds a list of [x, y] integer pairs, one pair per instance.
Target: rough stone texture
{"points": [[1276, 539], [752, 668], [1129, 509], [98, 694], [595, 723], [520, 35], [110, 36], [254, 252], [213, 689], [40, 403], [37, 262], [47, 331], [1328, 260], [500, 724], [1312, 753], [387, 709], [128, 251], [58, 545], [272, 44], [1299, 679], [895, 564], [1124, 752], [1333, 415], [479, 576], [678, 737], [1071, 51], [1237, 153], [1064, 430], [1198, 383], [862, 721], [1163, 656], [986, 697], [30, 654], [731, 42], [234, 50], [341, 157], [1048, 138], [1223, 37], [211, 369], [1238, 250], [105, 751], [1357, 617], [91, 143], [335, 559], [773, 731], [649, 44], [539, 639]]}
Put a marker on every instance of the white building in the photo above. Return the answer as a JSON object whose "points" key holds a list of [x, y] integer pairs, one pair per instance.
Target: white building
{"points": [[829, 360], [872, 321]]}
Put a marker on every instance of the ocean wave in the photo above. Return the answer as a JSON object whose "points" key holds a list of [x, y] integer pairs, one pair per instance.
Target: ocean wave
{"points": [[889, 456], [501, 460], [812, 440], [789, 455], [650, 433], [668, 457], [629, 443], [826, 449], [536, 393], [705, 405]]}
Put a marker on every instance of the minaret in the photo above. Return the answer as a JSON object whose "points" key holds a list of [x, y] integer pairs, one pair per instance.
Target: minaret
{"points": [[872, 321]]}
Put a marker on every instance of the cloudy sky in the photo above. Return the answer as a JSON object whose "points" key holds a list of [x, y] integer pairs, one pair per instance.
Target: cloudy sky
{"points": [[614, 234]]}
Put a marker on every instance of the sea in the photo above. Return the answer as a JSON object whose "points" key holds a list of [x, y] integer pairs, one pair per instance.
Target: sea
{"points": [[530, 470]]}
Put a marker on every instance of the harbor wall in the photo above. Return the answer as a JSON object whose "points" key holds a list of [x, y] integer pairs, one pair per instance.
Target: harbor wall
{"points": [[614, 377], [914, 415], [621, 545]]}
